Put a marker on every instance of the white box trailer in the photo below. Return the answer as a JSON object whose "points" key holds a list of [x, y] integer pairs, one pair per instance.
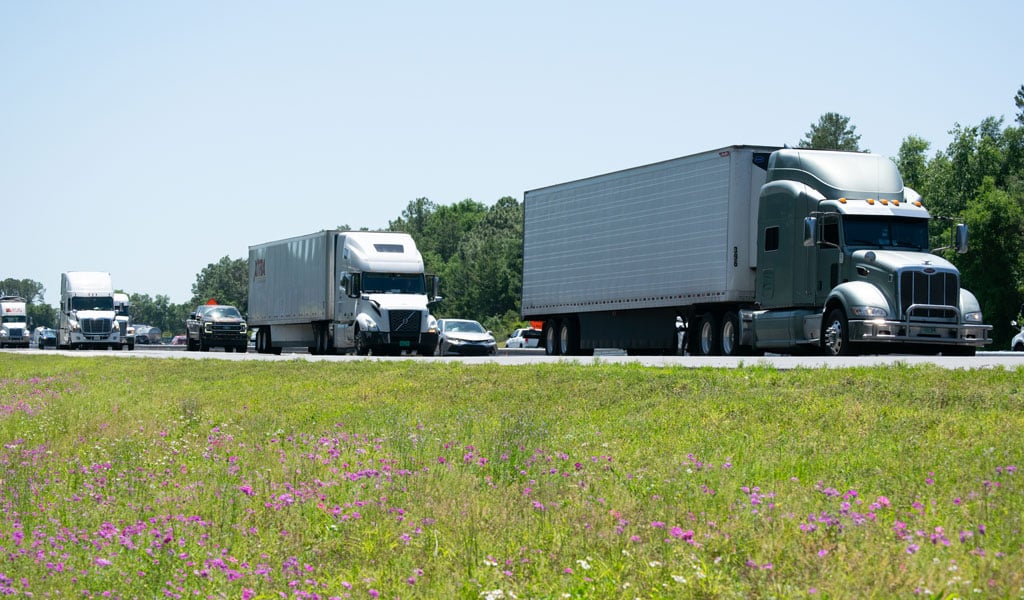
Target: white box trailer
{"points": [[624, 251], [754, 249], [341, 290]]}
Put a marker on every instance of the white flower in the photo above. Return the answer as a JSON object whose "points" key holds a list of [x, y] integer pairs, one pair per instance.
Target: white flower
{"points": [[654, 564], [584, 564]]}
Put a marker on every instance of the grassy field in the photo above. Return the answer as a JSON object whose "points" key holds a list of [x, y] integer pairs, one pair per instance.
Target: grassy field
{"points": [[211, 479]]}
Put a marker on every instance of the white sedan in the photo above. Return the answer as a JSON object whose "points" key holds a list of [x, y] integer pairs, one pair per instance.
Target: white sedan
{"points": [[524, 338], [463, 336]]}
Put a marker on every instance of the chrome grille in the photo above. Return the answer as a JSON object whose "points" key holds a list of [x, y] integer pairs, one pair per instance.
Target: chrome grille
{"points": [[404, 321], [96, 326], [934, 289]]}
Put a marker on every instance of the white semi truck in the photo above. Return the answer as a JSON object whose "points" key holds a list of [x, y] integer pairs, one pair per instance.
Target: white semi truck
{"points": [[339, 291], [754, 248], [123, 306], [14, 329], [86, 317]]}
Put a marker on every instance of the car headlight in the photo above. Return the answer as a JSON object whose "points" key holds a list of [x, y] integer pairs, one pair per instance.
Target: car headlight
{"points": [[456, 341], [973, 317], [869, 311]]}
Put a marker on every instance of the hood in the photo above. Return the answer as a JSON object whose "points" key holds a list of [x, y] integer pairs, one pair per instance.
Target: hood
{"points": [[893, 260], [399, 301], [469, 336], [95, 314]]}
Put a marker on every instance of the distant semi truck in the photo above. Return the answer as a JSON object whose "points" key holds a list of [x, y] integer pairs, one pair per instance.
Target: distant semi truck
{"points": [[755, 249], [86, 317], [14, 329], [340, 291], [122, 306]]}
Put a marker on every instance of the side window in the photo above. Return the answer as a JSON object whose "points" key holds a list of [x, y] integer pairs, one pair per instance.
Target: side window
{"points": [[830, 234], [771, 239], [344, 283]]}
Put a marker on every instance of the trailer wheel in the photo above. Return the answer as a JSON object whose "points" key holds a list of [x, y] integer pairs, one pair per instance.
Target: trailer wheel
{"points": [[551, 331], [568, 338], [730, 336], [835, 335], [708, 340]]}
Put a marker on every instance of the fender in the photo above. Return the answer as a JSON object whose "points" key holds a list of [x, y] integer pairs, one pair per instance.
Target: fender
{"points": [[858, 293], [968, 303]]}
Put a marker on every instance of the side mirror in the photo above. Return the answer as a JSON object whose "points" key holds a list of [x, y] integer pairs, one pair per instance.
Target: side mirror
{"points": [[355, 289], [810, 231], [960, 238]]}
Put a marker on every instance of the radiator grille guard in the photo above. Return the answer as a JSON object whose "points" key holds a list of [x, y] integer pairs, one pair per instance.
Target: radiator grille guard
{"points": [[929, 295]]}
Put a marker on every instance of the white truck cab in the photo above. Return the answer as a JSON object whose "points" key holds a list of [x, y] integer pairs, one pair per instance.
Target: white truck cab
{"points": [[14, 330], [86, 317], [122, 306]]}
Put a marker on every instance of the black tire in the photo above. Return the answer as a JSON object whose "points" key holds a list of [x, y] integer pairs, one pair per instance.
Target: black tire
{"points": [[960, 351], [202, 345], [709, 341], [362, 348], [551, 331], [1019, 347], [835, 334], [568, 338], [729, 335]]}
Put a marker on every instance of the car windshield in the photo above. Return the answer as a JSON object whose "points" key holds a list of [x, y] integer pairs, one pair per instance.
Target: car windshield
{"points": [[92, 303], [223, 312], [464, 327], [871, 232], [393, 283], [13, 319]]}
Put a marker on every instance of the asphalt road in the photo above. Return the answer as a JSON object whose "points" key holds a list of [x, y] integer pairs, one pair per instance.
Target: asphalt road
{"points": [[983, 360]]}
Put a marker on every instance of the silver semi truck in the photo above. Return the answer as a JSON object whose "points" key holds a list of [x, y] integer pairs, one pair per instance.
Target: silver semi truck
{"points": [[342, 291], [755, 249]]}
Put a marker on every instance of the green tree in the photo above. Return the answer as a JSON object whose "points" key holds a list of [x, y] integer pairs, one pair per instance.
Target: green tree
{"points": [[32, 291], [1019, 101], [913, 161], [226, 281], [832, 132], [996, 223]]}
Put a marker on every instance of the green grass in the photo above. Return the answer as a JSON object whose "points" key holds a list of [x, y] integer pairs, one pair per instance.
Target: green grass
{"points": [[181, 478]]}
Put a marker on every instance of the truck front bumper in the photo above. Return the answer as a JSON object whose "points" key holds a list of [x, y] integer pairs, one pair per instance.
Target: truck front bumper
{"points": [[900, 332], [400, 342]]}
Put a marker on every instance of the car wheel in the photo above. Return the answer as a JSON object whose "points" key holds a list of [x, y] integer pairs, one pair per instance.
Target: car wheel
{"points": [[1018, 347]]}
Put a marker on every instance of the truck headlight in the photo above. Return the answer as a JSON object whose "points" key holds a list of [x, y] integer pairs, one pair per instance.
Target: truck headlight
{"points": [[869, 311], [973, 317], [243, 327], [207, 327]]}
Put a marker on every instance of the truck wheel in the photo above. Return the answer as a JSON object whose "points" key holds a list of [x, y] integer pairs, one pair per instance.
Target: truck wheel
{"points": [[708, 341], [568, 338], [730, 334], [551, 331], [835, 334], [362, 348], [202, 345]]}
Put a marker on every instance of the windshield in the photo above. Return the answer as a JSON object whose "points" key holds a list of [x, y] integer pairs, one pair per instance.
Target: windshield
{"points": [[463, 327], [92, 303], [393, 283], [872, 232], [223, 312], [13, 319]]}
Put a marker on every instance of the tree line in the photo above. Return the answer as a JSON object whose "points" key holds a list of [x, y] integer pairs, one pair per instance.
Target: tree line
{"points": [[477, 250]]}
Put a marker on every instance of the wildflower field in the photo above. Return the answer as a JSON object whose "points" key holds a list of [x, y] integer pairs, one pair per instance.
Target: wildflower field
{"points": [[180, 478]]}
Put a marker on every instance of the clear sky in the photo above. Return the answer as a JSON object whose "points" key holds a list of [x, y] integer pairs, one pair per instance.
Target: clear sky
{"points": [[150, 139]]}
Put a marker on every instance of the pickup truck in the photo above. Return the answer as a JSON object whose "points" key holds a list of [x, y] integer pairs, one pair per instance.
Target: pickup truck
{"points": [[216, 325]]}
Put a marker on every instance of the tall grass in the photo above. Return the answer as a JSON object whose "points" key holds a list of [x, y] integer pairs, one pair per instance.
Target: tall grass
{"points": [[208, 479]]}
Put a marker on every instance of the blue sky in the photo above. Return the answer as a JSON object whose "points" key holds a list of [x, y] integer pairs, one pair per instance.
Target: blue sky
{"points": [[150, 139]]}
